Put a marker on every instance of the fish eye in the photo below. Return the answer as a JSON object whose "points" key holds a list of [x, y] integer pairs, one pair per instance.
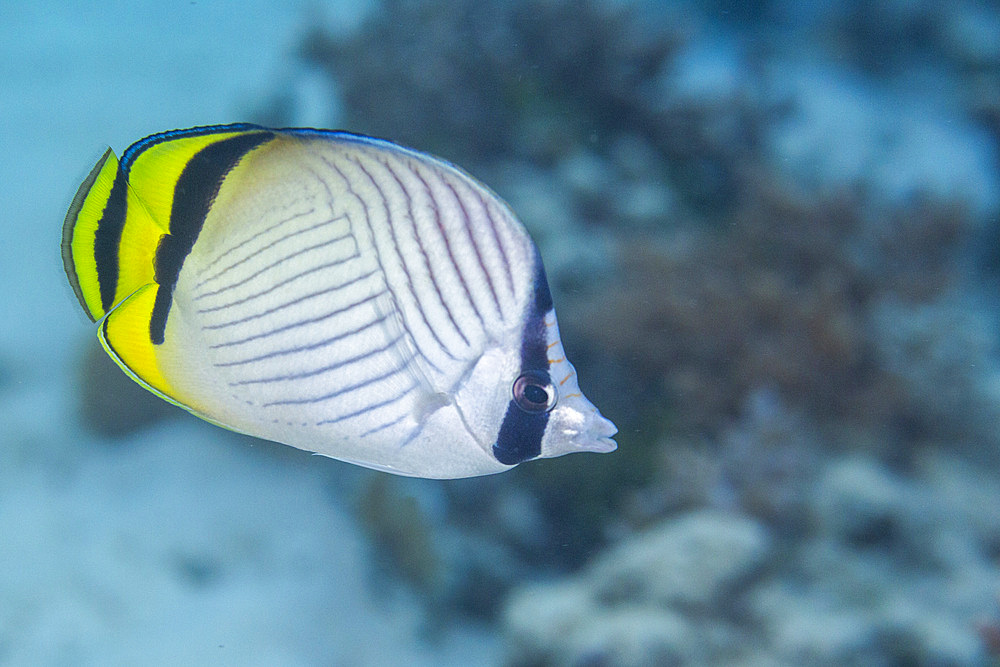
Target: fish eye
{"points": [[534, 392]]}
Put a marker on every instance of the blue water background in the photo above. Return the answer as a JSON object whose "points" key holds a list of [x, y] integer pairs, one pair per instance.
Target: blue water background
{"points": [[183, 544]]}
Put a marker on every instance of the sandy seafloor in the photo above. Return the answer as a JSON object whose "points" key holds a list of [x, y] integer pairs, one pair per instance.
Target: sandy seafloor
{"points": [[185, 544], [94, 540]]}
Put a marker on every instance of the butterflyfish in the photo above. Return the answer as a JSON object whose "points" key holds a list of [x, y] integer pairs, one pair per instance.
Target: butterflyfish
{"points": [[331, 291]]}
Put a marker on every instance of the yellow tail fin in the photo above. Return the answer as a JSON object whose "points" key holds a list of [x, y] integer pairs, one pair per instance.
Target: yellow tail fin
{"points": [[129, 229], [121, 212], [109, 239]]}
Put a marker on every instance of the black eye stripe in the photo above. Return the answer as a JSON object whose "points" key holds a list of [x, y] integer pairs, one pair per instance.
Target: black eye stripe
{"points": [[523, 425]]}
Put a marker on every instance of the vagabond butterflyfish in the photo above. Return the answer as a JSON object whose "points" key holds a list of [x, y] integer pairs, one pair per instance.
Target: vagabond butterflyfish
{"points": [[331, 291]]}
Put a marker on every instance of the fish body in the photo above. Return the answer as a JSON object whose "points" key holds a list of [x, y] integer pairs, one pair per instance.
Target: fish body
{"points": [[333, 292]]}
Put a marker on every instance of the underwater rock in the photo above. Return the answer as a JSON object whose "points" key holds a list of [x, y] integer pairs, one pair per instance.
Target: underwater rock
{"points": [[783, 247], [971, 36], [488, 78], [631, 637], [689, 562], [846, 129], [574, 254], [893, 571], [638, 602], [860, 504], [539, 619], [943, 353], [586, 176], [806, 629], [768, 461], [968, 496], [896, 567], [564, 624], [942, 519], [847, 607]]}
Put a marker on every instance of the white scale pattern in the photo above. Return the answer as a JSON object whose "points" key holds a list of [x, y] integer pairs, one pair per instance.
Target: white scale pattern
{"points": [[379, 295]]}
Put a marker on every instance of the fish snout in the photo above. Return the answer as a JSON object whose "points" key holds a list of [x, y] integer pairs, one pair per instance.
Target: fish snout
{"points": [[598, 435], [579, 427]]}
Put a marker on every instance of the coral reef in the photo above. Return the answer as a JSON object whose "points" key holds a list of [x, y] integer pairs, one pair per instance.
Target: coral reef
{"points": [[787, 301], [890, 575], [569, 72], [776, 277], [751, 326], [639, 602]]}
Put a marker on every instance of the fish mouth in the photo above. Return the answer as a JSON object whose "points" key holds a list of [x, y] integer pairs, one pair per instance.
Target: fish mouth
{"points": [[597, 438], [601, 445]]}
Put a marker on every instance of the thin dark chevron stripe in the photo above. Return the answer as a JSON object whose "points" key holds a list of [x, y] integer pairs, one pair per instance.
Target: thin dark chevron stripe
{"points": [[378, 258], [369, 408], [295, 325], [431, 272], [282, 283], [270, 266], [406, 269], [447, 245], [490, 219], [251, 239], [367, 219], [287, 304], [475, 246], [326, 342], [267, 247], [343, 390], [382, 427], [319, 371]]}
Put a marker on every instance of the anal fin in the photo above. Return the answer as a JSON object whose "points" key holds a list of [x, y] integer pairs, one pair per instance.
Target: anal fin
{"points": [[125, 336]]}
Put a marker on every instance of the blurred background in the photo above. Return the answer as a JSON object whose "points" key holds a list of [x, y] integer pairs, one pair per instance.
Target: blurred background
{"points": [[771, 230]]}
